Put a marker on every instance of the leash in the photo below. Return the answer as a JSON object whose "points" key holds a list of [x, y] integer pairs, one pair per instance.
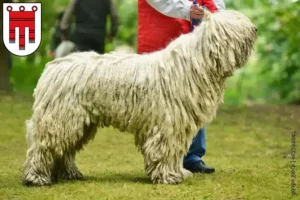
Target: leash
{"points": [[195, 21]]}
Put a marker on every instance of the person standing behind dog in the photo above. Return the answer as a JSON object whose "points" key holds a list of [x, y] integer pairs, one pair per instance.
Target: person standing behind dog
{"points": [[90, 23], [56, 36], [160, 22], [59, 46]]}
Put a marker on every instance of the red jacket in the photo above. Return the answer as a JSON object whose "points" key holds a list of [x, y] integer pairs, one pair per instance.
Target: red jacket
{"points": [[156, 31]]}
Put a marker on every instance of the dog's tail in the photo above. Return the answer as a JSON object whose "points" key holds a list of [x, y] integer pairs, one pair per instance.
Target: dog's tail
{"points": [[29, 126]]}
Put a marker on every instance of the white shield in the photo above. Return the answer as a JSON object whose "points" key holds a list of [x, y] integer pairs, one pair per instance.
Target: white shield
{"points": [[22, 30]]}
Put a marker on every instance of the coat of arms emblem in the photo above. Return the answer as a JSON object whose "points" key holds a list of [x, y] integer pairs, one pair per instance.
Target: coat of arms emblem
{"points": [[22, 27]]}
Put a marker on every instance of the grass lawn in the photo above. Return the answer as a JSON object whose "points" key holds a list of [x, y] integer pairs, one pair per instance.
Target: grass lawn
{"points": [[249, 146]]}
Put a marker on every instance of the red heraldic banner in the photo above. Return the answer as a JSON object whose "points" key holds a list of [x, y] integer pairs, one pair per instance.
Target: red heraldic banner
{"points": [[22, 27]]}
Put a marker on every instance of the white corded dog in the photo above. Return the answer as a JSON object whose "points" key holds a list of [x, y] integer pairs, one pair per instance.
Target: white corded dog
{"points": [[163, 98]]}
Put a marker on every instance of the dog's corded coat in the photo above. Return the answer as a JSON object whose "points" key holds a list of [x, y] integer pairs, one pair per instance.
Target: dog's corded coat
{"points": [[163, 98]]}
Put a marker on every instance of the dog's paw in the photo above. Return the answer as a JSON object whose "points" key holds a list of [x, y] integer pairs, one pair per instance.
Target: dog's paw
{"points": [[170, 178], [186, 173], [35, 181], [74, 175]]}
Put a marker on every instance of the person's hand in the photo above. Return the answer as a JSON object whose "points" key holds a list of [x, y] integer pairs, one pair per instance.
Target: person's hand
{"points": [[196, 12], [63, 34]]}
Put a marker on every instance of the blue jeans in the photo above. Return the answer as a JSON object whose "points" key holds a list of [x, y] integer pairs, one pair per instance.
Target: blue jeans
{"points": [[197, 149]]}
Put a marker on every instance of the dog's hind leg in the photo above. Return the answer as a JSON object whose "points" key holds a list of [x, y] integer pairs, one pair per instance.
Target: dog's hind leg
{"points": [[38, 166], [40, 158], [67, 167], [163, 156]]}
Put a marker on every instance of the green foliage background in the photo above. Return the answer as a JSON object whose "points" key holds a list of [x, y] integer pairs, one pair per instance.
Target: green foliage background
{"points": [[271, 76]]}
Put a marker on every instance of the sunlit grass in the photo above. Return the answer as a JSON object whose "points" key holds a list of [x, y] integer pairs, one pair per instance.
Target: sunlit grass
{"points": [[250, 148]]}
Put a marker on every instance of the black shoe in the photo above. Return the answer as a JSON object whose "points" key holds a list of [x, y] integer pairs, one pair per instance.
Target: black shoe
{"points": [[200, 167]]}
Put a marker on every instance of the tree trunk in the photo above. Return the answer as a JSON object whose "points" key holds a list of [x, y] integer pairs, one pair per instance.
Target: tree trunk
{"points": [[4, 69]]}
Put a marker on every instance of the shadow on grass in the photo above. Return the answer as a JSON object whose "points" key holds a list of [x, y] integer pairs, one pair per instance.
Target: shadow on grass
{"points": [[112, 178], [119, 178]]}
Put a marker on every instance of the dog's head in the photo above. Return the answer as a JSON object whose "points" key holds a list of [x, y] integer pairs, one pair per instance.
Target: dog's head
{"points": [[228, 37]]}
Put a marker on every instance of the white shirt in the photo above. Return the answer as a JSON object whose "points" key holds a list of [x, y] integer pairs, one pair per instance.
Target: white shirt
{"points": [[178, 8]]}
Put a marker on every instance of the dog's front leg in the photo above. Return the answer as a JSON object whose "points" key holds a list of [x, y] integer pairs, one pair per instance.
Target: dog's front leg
{"points": [[163, 156]]}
